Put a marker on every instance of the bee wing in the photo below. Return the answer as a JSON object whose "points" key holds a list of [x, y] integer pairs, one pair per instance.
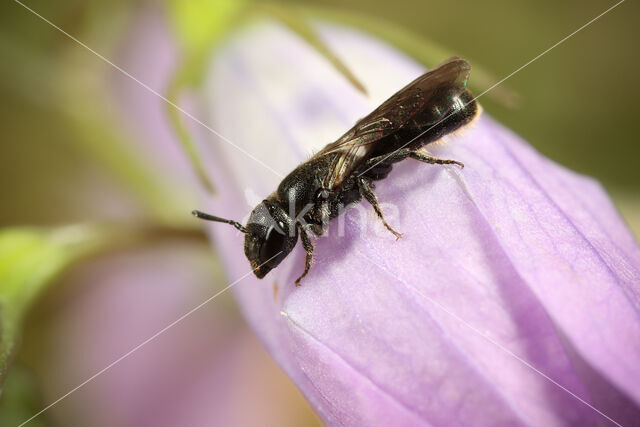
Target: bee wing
{"points": [[355, 145]]}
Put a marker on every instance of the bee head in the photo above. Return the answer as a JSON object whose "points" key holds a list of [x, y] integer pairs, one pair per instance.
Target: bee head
{"points": [[270, 235]]}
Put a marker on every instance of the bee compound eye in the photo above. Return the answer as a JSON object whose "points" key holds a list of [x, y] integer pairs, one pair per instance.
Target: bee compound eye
{"points": [[273, 244]]}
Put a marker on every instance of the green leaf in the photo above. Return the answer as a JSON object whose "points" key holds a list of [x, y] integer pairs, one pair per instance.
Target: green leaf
{"points": [[199, 23], [178, 83], [29, 260], [20, 399]]}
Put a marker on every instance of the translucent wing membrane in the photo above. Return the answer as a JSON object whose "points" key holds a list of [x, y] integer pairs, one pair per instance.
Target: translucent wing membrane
{"points": [[412, 104]]}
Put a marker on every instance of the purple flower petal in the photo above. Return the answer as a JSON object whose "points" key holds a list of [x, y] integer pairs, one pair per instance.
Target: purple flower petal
{"points": [[512, 298]]}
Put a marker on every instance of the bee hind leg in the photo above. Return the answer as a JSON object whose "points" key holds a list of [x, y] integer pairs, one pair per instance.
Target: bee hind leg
{"points": [[426, 157], [366, 191], [420, 154], [308, 247]]}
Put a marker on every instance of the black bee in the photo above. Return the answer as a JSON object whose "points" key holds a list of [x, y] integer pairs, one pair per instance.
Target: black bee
{"points": [[432, 106]]}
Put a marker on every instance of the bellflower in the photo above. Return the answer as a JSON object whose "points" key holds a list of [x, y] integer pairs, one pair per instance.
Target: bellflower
{"points": [[512, 299]]}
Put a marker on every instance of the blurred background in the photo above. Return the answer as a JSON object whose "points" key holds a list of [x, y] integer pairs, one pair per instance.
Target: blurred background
{"points": [[83, 144]]}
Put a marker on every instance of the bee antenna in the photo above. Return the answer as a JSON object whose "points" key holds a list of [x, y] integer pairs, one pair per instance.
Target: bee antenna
{"points": [[206, 216]]}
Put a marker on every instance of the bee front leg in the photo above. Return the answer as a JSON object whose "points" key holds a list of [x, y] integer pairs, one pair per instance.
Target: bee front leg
{"points": [[366, 191], [308, 247]]}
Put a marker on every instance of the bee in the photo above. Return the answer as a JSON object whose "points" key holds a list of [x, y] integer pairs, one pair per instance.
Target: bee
{"points": [[343, 173]]}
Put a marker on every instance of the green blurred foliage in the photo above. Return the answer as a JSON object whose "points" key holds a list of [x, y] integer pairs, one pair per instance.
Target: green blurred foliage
{"points": [[199, 23], [29, 260], [20, 399]]}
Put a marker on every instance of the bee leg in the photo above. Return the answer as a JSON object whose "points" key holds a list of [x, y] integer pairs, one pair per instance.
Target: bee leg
{"points": [[308, 247], [420, 154], [364, 186], [386, 159], [425, 156]]}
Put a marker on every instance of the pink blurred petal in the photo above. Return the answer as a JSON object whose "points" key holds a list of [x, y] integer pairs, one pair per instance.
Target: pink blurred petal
{"points": [[512, 265], [203, 371]]}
